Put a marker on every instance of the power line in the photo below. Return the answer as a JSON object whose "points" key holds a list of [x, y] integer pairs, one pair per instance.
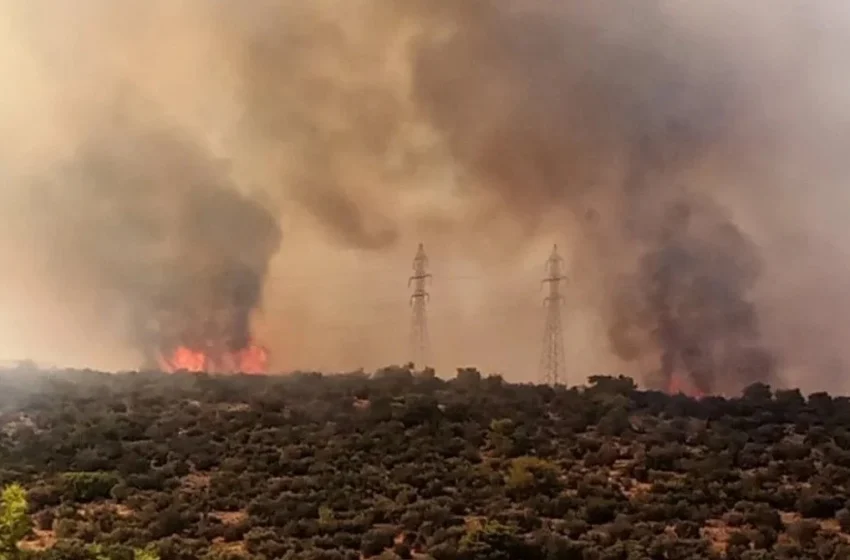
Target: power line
{"points": [[552, 357], [419, 340]]}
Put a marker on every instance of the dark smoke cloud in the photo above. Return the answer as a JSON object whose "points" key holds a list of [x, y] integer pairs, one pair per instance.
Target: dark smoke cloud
{"points": [[538, 102], [689, 296], [151, 221], [649, 138], [303, 95]]}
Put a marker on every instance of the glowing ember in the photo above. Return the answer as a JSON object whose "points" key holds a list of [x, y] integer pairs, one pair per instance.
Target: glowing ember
{"points": [[252, 359], [679, 384]]}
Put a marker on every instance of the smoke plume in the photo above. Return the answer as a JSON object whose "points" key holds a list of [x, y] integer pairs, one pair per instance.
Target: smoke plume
{"points": [[573, 102], [155, 226], [685, 154]]}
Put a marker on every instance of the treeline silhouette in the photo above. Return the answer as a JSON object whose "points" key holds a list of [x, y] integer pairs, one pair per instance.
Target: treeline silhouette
{"points": [[402, 464]]}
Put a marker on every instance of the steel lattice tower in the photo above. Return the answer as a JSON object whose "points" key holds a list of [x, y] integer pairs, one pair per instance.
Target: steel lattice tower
{"points": [[420, 344], [552, 367]]}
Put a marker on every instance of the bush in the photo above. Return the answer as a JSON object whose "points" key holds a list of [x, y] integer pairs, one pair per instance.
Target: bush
{"points": [[88, 486], [14, 521], [375, 542], [326, 467]]}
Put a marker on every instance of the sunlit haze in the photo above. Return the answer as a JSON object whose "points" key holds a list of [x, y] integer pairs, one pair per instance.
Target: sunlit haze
{"points": [[262, 172]]}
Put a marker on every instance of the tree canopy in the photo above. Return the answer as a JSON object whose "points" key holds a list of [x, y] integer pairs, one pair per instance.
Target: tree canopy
{"points": [[402, 464]]}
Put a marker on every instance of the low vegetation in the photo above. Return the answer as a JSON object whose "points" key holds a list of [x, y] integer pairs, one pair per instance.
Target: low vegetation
{"points": [[401, 464]]}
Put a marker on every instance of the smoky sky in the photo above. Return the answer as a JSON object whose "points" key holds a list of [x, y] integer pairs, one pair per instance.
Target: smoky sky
{"points": [[571, 102], [154, 224], [682, 154]]}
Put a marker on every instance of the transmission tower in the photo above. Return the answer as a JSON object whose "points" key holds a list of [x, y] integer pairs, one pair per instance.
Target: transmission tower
{"points": [[552, 358], [420, 344]]}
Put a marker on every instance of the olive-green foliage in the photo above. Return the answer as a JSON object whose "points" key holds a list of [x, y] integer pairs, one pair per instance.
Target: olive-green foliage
{"points": [[529, 476], [122, 553], [402, 464], [14, 521], [493, 541], [88, 486]]}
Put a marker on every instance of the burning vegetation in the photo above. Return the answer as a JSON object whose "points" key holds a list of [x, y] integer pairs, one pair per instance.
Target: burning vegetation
{"points": [[252, 359], [179, 253]]}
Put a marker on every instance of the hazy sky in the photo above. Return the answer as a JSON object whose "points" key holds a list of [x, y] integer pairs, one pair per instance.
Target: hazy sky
{"points": [[152, 152]]}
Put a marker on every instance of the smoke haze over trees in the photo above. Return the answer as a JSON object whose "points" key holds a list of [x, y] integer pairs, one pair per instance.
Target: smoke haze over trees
{"points": [[689, 157]]}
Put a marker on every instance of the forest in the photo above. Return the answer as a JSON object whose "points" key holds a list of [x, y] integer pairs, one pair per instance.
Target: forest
{"points": [[401, 464]]}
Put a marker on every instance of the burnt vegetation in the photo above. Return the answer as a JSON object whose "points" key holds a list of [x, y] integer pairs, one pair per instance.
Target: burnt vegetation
{"points": [[401, 464]]}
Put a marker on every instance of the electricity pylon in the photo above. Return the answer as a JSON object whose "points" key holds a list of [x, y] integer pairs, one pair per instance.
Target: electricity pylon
{"points": [[420, 343], [552, 366]]}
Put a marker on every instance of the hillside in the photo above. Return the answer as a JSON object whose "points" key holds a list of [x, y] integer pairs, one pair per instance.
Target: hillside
{"points": [[402, 464]]}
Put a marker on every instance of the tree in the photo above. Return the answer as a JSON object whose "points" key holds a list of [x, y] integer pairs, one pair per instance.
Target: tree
{"points": [[757, 392], [145, 554], [790, 398], [605, 384], [88, 486], [615, 422], [529, 476], [375, 542], [501, 436], [148, 553], [492, 541], [14, 521], [312, 467], [468, 377]]}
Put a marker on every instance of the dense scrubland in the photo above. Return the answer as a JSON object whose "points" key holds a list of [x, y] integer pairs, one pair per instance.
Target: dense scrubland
{"points": [[401, 464]]}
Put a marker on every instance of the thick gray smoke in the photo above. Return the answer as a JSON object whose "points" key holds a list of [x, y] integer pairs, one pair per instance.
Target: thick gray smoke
{"points": [[150, 220], [682, 152], [538, 102], [690, 295]]}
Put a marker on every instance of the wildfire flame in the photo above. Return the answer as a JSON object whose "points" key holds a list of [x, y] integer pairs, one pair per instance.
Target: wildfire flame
{"points": [[679, 384], [253, 359], [187, 359]]}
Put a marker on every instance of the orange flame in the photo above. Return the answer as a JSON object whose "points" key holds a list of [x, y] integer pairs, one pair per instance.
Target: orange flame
{"points": [[253, 359], [679, 384], [186, 359]]}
